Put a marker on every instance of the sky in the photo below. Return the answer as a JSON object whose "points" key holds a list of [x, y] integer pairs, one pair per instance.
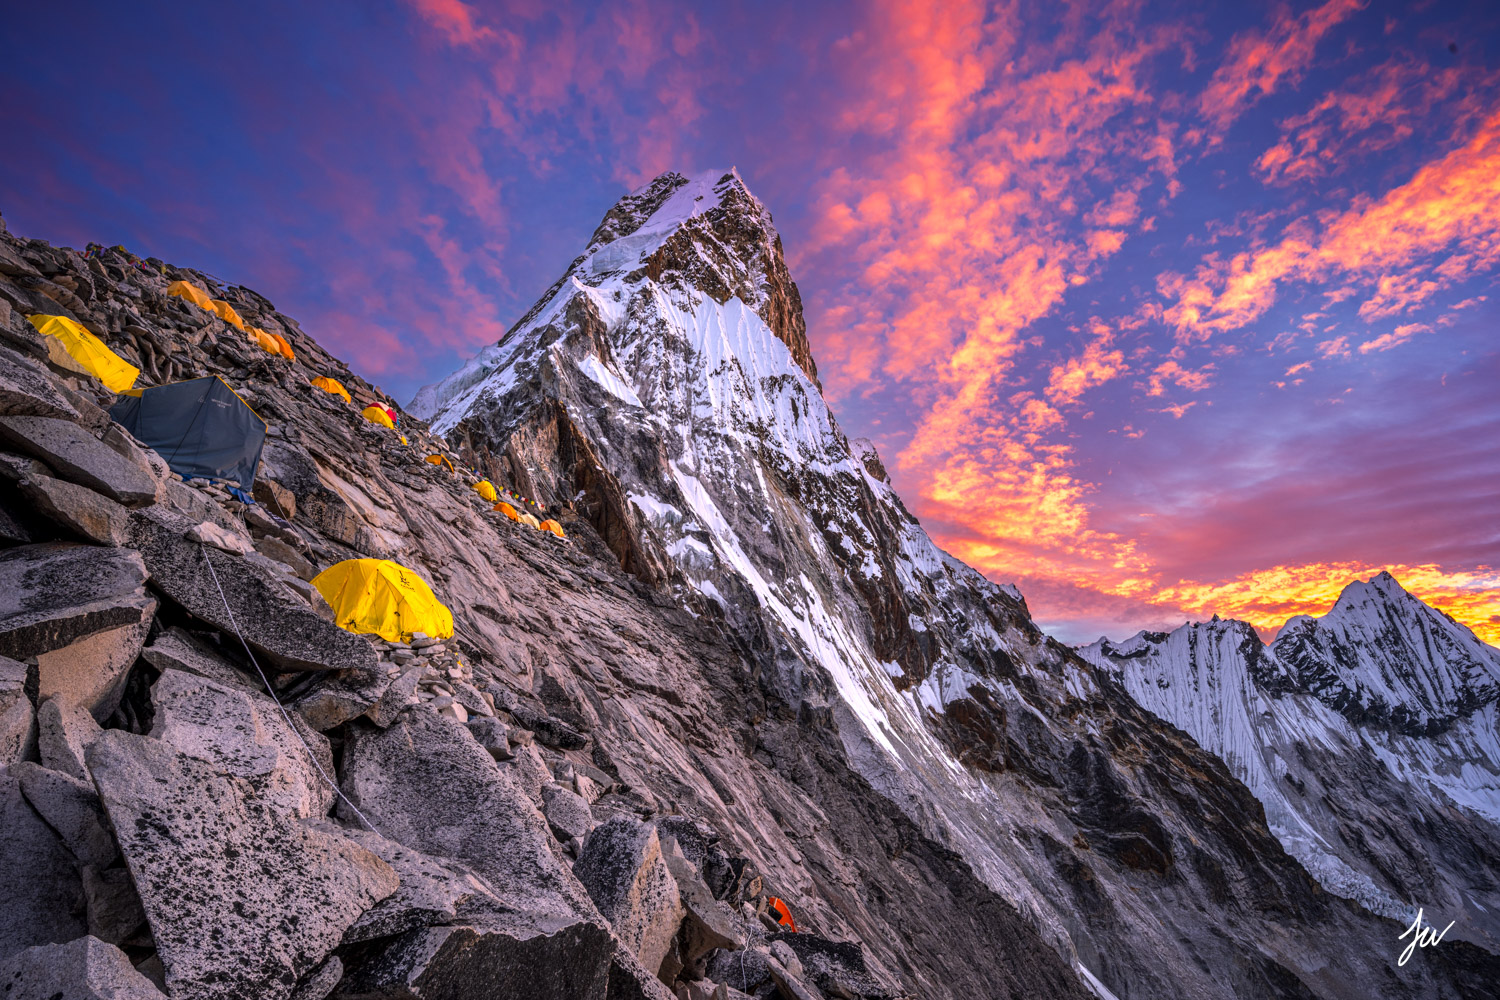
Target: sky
{"points": [[1156, 310]]}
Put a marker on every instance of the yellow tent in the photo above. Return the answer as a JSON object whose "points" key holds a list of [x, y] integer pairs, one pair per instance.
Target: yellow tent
{"points": [[530, 519], [443, 460], [88, 351], [507, 510], [554, 527], [334, 386], [377, 415], [191, 292], [486, 489], [226, 312], [386, 598], [283, 347]]}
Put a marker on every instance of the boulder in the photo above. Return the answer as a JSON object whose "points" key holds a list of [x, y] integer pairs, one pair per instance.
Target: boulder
{"points": [[64, 733], [393, 702], [629, 980], [491, 734], [517, 955], [17, 719], [274, 548], [622, 868], [790, 985], [242, 899], [115, 913], [91, 516], [837, 968], [209, 533], [549, 730], [55, 593], [277, 624], [425, 783], [567, 813], [746, 971], [431, 890], [27, 391], [91, 672], [82, 969], [43, 899], [244, 735], [71, 807], [337, 698], [321, 981], [709, 923], [277, 498], [80, 457], [178, 649]]}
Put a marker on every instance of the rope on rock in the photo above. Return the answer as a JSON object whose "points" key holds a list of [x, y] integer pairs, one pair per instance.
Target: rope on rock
{"points": [[272, 692]]}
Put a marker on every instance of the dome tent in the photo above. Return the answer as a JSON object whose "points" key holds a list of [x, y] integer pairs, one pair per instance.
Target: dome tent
{"points": [[332, 385], [382, 597], [201, 427]]}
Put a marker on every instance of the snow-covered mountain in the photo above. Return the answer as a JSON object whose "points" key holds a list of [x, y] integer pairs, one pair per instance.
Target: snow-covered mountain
{"points": [[1369, 736], [664, 390]]}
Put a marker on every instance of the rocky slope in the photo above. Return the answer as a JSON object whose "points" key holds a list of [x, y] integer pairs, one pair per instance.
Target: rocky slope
{"points": [[1368, 735], [587, 780], [662, 390]]}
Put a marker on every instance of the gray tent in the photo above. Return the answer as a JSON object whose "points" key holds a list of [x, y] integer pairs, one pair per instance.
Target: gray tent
{"points": [[201, 427]]}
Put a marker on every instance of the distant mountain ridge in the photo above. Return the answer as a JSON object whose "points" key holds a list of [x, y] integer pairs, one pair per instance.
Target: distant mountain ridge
{"points": [[1368, 734]]}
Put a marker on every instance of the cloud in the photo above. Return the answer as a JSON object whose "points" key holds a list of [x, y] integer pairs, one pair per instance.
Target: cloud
{"points": [[1395, 338], [1258, 63], [1437, 230]]}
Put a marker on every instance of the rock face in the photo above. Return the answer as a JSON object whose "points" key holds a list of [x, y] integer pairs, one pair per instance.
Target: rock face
{"points": [[1369, 736], [746, 648]]}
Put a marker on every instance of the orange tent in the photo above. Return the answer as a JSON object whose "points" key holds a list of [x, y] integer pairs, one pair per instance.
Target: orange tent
{"points": [[191, 292], [282, 347], [508, 511], [441, 460], [782, 913], [226, 312], [263, 340], [554, 527]]}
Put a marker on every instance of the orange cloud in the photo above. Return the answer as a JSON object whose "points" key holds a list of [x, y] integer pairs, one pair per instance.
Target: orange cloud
{"points": [[455, 19], [1094, 367], [1259, 62], [1266, 598], [1438, 229]]}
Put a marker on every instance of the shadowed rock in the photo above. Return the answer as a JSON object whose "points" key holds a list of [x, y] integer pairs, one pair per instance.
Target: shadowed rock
{"points": [[71, 807], [26, 390], [17, 718], [567, 813], [622, 868], [42, 900], [242, 899], [82, 969], [78, 509], [512, 957], [55, 593], [431, 890], [64, 734]]}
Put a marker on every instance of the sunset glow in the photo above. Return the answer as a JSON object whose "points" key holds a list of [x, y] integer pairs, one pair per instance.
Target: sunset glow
{"points": [[1154, 312]]}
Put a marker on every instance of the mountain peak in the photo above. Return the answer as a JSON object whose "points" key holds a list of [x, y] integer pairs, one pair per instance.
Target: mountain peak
{"points": [[1384, 657]]}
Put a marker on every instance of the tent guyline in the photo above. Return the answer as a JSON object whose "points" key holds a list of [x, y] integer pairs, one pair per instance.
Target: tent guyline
{"points": [[272, 692]]}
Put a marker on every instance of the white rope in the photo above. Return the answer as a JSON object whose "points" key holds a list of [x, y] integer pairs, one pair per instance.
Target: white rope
{"points": [[272, 692]]}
